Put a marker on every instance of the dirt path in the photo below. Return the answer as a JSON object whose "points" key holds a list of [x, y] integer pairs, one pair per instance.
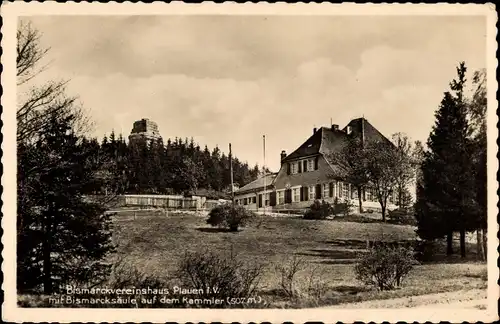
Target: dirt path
{"points": [[468, 299]]}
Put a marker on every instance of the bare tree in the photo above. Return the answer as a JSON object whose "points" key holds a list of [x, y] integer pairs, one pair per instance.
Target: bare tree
{"points": [[382, 168], [405, 172], [352, 161], [29, 52], [40, 104], [476, 109]]}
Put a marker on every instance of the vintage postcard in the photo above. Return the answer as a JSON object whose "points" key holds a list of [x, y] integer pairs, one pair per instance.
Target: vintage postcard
{"points": [[249, 162]]}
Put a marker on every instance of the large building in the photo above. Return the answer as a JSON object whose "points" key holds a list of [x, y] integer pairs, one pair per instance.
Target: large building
{"points": [[144, 130], [310, 172]]}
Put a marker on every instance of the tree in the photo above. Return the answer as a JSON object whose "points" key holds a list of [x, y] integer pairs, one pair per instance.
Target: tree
{"points": [[352, 161], [405, 172], [66, 236], [382, 171], [37, 105], [61, 237], [447, 190], [476, 107], [229, 216]]}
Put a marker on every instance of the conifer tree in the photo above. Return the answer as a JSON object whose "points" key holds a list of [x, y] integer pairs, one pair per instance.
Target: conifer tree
{"points": [[446, 193], [64, 236]]}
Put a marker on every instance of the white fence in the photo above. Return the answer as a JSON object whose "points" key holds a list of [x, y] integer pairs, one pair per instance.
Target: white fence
{"points": [[169, 201]]}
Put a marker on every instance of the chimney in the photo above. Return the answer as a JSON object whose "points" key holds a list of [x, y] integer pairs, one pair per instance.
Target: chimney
{"points": [[335, 127], [314, 130], [283, 155]]}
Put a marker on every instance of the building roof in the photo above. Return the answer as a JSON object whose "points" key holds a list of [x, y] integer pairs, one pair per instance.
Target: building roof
{"points": [[326, 143], [372, 134], [259, 183], [327, 140]]}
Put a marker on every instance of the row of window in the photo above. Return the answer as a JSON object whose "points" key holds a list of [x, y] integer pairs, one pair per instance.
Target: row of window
{"points": [[246, 201], [340, 190]]}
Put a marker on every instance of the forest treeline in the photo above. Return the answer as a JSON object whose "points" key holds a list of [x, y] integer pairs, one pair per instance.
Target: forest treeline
{"points": [[175, 167]]}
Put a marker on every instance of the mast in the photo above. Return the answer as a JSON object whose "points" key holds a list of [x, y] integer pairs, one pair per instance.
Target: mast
{"points": [[363, 131], [231, 169], [265, 185]]}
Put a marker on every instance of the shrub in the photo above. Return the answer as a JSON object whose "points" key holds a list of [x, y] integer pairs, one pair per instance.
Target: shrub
{"points": [[402, 216], [342, 208], [229, 216], [219, 276], [425, 250], [287, 271], [319, 210], [385, 266]]}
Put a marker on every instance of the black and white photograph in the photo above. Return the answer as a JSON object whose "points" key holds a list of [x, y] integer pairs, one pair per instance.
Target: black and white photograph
{"points": [[266, 161]]}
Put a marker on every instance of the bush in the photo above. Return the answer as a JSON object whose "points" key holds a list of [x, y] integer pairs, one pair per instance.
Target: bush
{"points": [[342, 208], [287, 270], [425, 250], [402, 216], [229, 216], [385, 266], [219, 276], [319, 210]]}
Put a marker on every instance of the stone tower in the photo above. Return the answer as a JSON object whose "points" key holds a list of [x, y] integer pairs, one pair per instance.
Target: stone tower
{"points": [[144, 130]]}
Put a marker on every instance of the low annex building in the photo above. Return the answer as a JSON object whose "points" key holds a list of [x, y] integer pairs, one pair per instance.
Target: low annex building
{"points": [[310, 173]]}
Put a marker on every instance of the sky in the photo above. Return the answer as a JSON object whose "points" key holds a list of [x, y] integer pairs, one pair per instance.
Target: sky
{"points": [[232, 79]]}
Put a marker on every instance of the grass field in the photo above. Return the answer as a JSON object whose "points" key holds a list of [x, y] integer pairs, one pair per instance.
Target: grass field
{"points": [[328, 249]]}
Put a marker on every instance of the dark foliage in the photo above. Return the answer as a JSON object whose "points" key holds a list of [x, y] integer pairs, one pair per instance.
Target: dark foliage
{"points": [[385, 266], [219, 276], [229, 217], [319, 210]]}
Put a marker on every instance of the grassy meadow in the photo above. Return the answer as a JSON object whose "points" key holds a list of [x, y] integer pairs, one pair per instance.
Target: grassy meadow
{"points": [[327, 250]]}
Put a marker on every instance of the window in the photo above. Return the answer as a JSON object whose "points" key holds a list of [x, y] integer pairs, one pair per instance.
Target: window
{"points": [[340, 189], [281, 197], [354, 192], [391, 197], [369, 194], [326, 190], [245, 201], [304, 166], [296, 194], [267, 200], [294, 168], [345, 193], [254, 200], [312, 192], [310, 165]]}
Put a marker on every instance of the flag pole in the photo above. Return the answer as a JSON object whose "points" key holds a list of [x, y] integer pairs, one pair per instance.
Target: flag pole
{"points": [[264, 149], [231, 169]]}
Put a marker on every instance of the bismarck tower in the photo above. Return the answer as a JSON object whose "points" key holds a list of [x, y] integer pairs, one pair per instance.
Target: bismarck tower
{"points": [[144, 130]]}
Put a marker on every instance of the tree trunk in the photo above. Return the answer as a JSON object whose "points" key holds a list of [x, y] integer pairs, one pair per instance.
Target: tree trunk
{"points": [[383, 212], [47, 249], [47, 262], [360, 200], [449, 243], [47, 268], [484, 243], [400, 197], [479, 245], [462, 243]]}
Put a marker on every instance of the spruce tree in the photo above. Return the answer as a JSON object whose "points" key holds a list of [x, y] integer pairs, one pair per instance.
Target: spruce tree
{"points": [[446, 192], [62, 237]]}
